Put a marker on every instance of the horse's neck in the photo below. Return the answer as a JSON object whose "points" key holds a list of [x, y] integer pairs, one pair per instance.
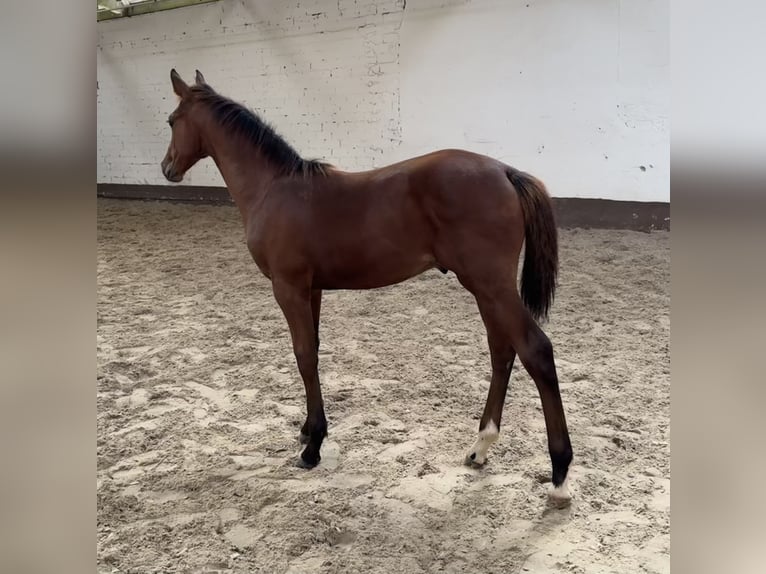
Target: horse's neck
{"points": [[243, 168]]}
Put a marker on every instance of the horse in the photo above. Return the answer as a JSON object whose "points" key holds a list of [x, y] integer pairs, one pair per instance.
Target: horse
{"points": [[312, 227]]}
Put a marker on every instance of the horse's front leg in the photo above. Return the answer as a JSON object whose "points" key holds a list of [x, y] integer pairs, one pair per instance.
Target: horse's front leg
{"points": [[296, 304], [316, 306]]}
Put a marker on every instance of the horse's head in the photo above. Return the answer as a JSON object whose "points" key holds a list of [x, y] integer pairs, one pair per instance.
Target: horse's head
{"points": [[186, 146]]}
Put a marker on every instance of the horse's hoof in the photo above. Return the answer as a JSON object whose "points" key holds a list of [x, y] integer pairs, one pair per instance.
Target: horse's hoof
{"points": [[474, 461], [300, 463], [559, 495], [307, 464], [303, 438]]}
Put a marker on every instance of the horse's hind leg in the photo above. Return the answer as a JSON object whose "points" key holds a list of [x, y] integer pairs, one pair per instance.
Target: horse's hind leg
{"points": [[502, 355], [510, 327], [536, 354]]}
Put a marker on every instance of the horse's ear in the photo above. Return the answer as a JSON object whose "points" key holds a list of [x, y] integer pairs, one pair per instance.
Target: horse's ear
{"points": [[179, 86], [200, 79]]}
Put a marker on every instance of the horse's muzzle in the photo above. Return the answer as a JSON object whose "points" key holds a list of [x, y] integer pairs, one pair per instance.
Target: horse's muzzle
{"points": [[170, 173]]}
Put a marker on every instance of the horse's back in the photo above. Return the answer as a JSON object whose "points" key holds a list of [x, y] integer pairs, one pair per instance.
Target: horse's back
{"points": [[379, 227], [462, 187], [449, 187]]}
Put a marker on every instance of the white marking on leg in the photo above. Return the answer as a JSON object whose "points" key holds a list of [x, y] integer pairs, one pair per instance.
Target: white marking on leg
{"points": [[487, 435], [560, 493]]}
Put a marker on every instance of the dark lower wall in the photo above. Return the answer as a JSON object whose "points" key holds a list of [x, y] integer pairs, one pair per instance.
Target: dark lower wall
{"points": [[195, 193], [570, 212], [609, 214]]}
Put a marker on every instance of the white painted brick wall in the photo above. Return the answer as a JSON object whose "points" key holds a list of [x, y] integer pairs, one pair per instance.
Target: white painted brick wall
{"points": [[576, 92]]}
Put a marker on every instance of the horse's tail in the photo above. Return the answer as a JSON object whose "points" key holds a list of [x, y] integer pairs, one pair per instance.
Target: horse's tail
{"points": [[541, 254]]}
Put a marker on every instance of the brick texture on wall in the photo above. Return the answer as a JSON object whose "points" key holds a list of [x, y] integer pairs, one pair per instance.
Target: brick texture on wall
{"points": [[316, 70], [362, 83]]}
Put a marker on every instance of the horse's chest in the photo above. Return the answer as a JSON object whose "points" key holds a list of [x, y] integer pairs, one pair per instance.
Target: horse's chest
{"points": [[260, 260]]}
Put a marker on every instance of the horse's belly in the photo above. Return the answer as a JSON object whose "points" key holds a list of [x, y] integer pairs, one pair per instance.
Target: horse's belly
{"points": [[371, 270]]}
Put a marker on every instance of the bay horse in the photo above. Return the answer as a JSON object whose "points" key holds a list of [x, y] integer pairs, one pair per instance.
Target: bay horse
{"points": [[311, 227]]}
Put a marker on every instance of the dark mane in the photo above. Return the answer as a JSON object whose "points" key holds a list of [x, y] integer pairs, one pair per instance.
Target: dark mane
{"points": [[239, 119]]}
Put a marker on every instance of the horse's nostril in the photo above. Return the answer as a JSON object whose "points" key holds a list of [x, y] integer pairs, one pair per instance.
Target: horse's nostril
{"points": [[167, 171]]}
